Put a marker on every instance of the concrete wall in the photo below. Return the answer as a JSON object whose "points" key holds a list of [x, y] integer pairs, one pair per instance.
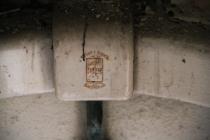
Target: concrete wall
{"points": [[171, 57], [171, 61], [26, 54], [44, 117]]}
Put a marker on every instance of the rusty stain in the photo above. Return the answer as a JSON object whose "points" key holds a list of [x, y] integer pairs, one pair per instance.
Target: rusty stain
{"points": [[93, 54]]}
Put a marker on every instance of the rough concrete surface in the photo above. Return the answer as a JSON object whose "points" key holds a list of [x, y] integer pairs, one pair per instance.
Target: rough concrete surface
{"points": [[172, 59], [171, 55], [26, 54], [44, 117], [41, 117], [148, 118], [81, 40]]}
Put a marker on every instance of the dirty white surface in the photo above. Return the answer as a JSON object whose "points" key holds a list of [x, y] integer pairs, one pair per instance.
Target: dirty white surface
{"points": [[44, 117], [26, 65], [26, 54], [173, 70], [41, 117], [106, 70], [172, 60], [166, 67], [151, 118]]}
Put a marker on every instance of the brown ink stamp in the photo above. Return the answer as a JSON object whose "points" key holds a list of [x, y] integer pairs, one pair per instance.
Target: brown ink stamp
{"points": [[95, 70]]}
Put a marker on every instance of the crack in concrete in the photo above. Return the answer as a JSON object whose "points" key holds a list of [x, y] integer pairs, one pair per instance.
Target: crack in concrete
{"points": [[84, 38]]}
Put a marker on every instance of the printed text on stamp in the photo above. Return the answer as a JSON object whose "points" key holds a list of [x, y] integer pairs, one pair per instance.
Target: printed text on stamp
{"points": [[95, 69]]}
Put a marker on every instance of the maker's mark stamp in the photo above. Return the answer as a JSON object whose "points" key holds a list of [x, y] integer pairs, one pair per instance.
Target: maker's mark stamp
{"points": [[95, 69]]}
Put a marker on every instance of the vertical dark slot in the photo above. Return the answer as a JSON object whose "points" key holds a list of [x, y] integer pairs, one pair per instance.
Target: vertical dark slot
{"points": [[94, 120]]}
